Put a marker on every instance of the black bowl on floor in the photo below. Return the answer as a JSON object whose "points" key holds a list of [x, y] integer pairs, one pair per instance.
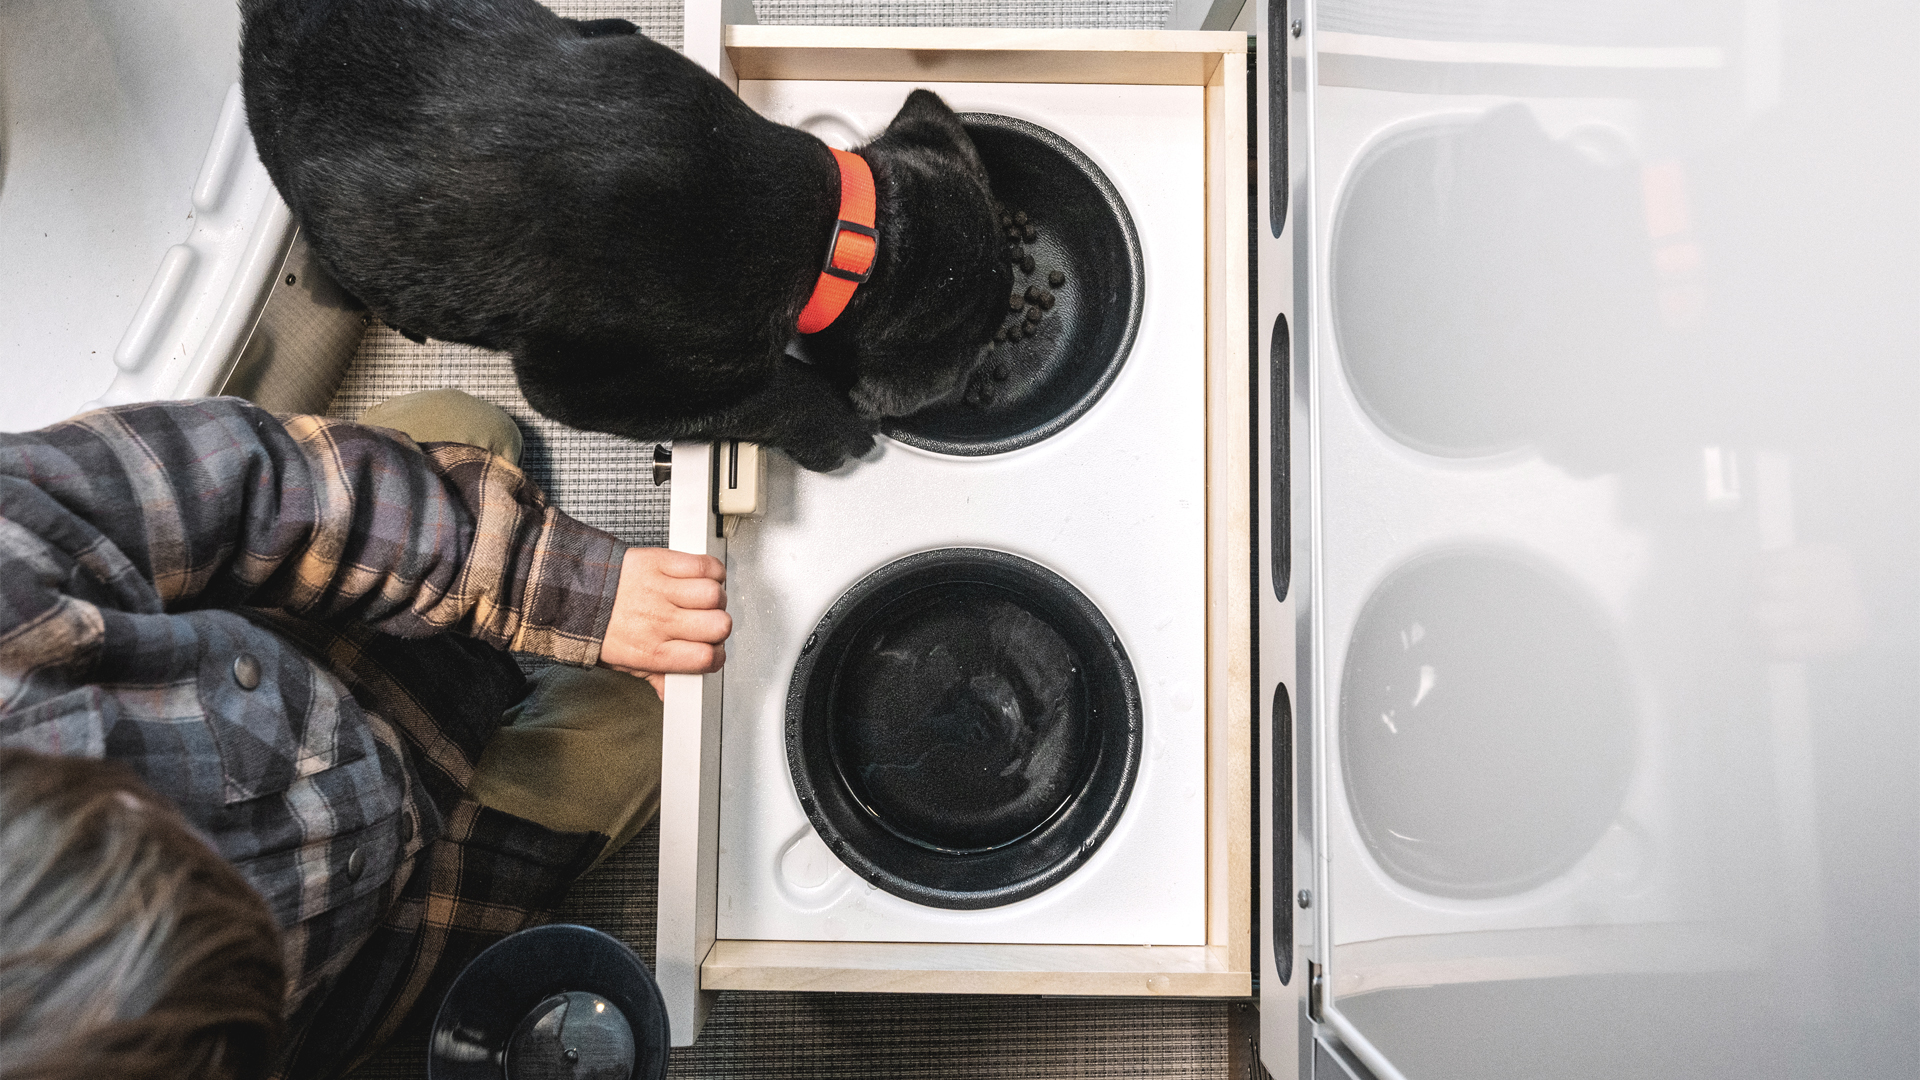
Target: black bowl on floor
{"points": [[963, 728], [553, 1001], [1083, 230]]}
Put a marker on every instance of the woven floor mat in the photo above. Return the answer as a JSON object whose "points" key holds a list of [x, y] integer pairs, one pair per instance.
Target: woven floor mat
{"points": [[1115, 14], [604, 481]]}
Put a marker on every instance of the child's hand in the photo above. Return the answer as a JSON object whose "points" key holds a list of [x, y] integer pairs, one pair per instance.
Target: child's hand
{"points": [[668, 616]]}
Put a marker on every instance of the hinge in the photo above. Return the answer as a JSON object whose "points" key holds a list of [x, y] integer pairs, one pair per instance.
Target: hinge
{"points": [[1243, 1042]]}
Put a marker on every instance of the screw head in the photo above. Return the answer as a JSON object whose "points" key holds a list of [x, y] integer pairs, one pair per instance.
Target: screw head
{"points": [[1295, 28], [1306, 898]]}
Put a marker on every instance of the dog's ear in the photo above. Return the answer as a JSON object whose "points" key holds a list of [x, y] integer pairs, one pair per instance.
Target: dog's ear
{"points": [[926, 121]]}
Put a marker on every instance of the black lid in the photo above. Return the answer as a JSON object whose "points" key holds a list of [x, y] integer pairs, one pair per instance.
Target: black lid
{"points": [[555, 1001]]}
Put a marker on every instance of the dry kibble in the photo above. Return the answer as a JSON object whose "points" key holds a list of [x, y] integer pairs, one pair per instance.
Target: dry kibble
{"points": [[1026, 263], [1020, 217], [1000, 334], [1015, 302], [1013, 233], [1014, 254], [1000, 373], [1028, 330], [1028, 233], [1056, 278], [1033, 313], [1045, 299], [1006, 220], [1033, 294]]}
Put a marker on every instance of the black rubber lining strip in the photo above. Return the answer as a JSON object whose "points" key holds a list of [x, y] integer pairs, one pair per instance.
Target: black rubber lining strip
{"points": [[1281, 798], [1279, 59]]}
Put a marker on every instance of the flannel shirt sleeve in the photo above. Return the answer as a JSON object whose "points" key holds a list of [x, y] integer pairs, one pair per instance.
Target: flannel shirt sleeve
{"points": [[220, 504]]}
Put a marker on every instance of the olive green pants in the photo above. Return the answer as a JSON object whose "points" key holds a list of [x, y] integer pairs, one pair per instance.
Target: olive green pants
{"points": [[581, 753]]}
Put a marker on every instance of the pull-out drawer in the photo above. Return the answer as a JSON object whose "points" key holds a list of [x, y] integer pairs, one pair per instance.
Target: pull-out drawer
{"points": [[1200, 80]]}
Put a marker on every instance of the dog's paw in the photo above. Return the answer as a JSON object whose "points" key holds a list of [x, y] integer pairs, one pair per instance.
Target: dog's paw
{"points": [[831, 449], [596, 28]]}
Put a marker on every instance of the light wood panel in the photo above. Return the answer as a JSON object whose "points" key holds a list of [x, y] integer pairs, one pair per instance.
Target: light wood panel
{"points": [[928, 968], [950, 54], [1229, 552]]}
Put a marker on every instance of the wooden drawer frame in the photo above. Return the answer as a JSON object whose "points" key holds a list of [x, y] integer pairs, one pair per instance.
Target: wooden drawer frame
{"points": [[691, 964]]}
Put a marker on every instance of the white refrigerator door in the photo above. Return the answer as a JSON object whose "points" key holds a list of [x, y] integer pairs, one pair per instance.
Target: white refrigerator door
{"points": [[1605, 484]]}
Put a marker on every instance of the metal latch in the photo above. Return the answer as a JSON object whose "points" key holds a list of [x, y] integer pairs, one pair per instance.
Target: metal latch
{"points": [[738, 480]]}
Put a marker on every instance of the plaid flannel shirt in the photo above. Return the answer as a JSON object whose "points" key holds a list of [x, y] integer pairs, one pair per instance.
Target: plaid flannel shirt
{"points": [[293, 628]]}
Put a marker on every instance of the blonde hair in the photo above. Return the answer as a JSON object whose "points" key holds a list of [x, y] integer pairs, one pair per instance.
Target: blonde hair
{"points": [[128, 948]]}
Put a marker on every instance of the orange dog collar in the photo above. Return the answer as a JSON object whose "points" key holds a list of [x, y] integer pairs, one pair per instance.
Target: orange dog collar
{"points": [[853, 250]]}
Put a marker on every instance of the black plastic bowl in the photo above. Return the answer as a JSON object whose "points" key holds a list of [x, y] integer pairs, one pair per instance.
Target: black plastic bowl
{"points": [[1083, 229], [963, 728], [498, 996]]}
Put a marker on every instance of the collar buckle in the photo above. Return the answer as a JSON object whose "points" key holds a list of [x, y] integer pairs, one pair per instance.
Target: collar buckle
{"points": [[858, 277]]}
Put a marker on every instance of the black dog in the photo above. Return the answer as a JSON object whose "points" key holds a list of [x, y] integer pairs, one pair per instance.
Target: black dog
{"points": [[485, 171]]}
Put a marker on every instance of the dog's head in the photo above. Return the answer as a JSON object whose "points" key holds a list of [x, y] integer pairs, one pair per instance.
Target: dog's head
{"points": [[919, 326]]}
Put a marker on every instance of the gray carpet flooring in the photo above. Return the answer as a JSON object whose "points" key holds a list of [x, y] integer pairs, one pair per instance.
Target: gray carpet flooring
{"points": [[1118, 14], [605, 482]]}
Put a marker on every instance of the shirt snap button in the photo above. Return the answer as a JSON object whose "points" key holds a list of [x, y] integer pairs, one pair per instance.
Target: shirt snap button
{"points": [[246, 671], [356, 865]]}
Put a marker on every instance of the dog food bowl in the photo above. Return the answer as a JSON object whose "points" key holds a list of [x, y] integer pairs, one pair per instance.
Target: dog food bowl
{"points": [[1083, 230], [963, 728]]}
